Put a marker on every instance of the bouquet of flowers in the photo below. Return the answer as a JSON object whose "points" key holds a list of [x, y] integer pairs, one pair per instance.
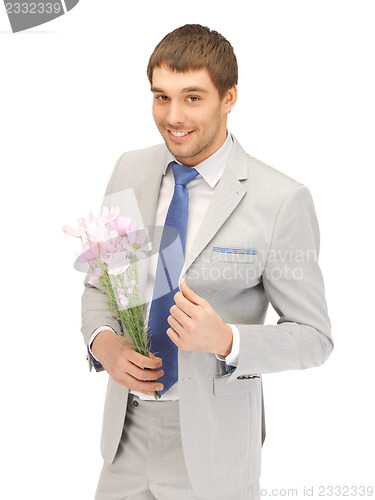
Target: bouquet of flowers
{"points": [[111, 246]]}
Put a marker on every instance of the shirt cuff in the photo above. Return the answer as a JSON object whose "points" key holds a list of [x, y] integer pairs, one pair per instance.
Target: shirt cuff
{"points": [[232, 357], [93, 335]]}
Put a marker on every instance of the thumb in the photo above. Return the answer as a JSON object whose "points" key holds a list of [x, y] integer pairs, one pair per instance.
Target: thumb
{"points": [[154, 357], [189, 294]]}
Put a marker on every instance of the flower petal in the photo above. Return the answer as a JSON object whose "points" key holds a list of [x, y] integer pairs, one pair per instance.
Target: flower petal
{"points": [[70, 231]]}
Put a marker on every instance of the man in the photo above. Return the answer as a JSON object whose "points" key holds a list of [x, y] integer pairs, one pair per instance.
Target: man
{"points": [[250, 236]]}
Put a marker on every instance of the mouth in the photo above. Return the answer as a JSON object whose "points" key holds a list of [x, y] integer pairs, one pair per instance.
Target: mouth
{"points": [[179, 136]]}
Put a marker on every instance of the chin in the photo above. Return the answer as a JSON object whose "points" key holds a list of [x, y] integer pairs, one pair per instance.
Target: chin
{"points": [[176, 150]]}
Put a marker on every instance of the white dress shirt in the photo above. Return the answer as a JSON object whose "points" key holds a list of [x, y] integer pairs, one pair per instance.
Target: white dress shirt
{"points": [[201, 190]]}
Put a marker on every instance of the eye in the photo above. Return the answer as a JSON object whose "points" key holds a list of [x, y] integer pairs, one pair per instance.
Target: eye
{"points": [[193, 98], [161, 97]]}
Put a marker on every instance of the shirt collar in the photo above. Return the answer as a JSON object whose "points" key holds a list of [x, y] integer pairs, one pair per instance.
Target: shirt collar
{"points": [[211, 168]]}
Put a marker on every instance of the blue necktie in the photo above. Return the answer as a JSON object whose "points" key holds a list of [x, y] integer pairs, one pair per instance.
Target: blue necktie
{"points": [[170, 264]]}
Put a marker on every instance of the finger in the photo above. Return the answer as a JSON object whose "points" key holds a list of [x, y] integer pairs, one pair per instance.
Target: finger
{"points": [[173, 335], [184, 304], [179, 315], [144, 374], [176, 325], [154, 357], [146, 387], [144, 361], [189, 294]]}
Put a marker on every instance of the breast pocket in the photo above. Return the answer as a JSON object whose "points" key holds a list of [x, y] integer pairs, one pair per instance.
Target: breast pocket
{"points": [[235, 255], [235, 268]]}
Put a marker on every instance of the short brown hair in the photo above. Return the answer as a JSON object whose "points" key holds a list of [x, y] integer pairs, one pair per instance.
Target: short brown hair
{"points": [[195, 47]]}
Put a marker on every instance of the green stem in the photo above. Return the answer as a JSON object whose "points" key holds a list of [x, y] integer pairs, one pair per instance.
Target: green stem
{"points": [[131, 317]]}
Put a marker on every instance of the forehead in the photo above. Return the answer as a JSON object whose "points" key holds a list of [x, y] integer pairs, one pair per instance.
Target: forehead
{"points": [[167, 80]]}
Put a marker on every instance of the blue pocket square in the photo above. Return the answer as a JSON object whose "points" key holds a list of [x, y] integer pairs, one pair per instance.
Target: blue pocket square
{"points": [[243, 251]]}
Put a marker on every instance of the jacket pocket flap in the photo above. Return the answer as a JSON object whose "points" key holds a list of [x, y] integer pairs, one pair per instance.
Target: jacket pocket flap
{"points": [[221, 386]]}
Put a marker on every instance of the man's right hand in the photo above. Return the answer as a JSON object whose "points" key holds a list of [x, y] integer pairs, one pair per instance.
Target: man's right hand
{"points": [[126, 366]]}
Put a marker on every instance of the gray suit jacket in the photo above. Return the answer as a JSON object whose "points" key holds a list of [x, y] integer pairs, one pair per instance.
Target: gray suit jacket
{"points": [[258, 243]]}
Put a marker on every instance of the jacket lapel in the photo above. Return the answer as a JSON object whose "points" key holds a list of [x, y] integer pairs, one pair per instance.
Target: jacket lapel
{"points": [[150, 189], [228, 193]]}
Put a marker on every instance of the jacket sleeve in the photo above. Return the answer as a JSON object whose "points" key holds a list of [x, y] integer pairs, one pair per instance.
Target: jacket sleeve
{"points": [[293, 282]]}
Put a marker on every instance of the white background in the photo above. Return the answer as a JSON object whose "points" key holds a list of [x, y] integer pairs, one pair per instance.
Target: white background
{"points": [[74, 96]]}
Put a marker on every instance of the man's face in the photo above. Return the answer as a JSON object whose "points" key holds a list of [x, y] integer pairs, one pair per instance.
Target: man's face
{"points": [[189, 113]]}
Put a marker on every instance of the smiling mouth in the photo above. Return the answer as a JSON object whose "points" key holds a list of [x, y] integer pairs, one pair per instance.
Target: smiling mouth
{"points": [[179, 136]]}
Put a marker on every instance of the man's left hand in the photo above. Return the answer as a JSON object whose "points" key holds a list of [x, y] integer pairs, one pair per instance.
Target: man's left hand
{"points": [[195, 326]]}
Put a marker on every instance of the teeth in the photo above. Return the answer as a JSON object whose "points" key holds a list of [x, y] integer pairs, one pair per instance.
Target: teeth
{"points": [[178, 134]]}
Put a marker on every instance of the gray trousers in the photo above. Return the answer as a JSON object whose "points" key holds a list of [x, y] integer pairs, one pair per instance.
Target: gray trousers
{"points": [[149, 464]]}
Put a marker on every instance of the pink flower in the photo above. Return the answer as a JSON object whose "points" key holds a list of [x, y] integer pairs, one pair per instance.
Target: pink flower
{"points": [[136, 245], [94, 226], [70, 231], [89, 252], [108, 216], [104, 217], [114, 245], [124, 301], [123, 225], [94, 275], [117, 263], [96, 231]]}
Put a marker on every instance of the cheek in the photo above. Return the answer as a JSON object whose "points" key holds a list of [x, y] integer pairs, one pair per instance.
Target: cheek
{"points": [[207, 117], [156, 113]]}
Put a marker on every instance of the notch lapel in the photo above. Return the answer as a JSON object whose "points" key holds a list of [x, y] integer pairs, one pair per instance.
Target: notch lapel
{"points": [[228, 193], [150, 188]]}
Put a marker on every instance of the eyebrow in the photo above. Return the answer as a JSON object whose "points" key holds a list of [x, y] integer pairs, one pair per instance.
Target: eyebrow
{"points": [[186, 90]]}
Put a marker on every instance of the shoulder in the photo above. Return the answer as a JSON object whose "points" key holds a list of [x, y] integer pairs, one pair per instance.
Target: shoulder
{"points": [[133, 168], [259, 177], [269, 189], [136, 165], [142, 156]]}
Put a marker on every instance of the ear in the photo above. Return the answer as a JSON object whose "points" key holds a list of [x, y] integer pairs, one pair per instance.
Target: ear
{"points": [[230, 98]]}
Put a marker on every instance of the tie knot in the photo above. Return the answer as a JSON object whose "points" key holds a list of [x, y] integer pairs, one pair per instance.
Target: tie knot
{"points": [[182, 174]]}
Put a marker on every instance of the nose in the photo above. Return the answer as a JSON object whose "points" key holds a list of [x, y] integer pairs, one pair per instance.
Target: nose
{"points": [[175, 115]]}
